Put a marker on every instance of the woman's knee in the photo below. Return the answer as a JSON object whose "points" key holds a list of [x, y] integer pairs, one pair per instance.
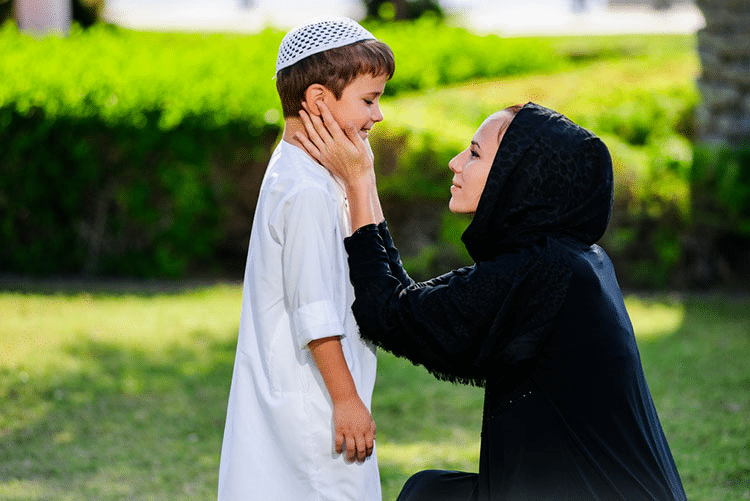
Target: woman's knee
{"points": [[439, 485]]}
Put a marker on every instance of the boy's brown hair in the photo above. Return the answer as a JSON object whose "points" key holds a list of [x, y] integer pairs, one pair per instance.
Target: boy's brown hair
{"points": [[334, 69]]}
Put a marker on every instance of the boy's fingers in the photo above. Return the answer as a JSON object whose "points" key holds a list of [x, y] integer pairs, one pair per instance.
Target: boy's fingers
{"points": [[339, 442], [351, 449], [361, 449], [370, 440]]}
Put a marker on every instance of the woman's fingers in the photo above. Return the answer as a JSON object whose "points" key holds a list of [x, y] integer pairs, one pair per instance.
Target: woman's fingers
{"points": [[329, 122], [314, 133], [311, 149]]}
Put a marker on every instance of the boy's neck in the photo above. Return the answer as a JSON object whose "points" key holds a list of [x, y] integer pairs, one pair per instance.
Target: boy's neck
{"points": [[292, 125]]}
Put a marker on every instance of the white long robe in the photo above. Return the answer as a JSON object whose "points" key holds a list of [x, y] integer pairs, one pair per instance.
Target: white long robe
{"points": [[278, 439]]}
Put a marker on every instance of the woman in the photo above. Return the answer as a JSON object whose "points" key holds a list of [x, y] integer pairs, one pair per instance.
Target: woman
{"points": [[538, 320]]}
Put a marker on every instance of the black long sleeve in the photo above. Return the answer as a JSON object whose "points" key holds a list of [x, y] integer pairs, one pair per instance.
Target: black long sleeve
{"points": [[441, 324]]}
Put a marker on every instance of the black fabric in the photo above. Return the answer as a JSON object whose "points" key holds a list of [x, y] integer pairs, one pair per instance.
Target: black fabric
{"points": [[538, 320], [438, 485]]}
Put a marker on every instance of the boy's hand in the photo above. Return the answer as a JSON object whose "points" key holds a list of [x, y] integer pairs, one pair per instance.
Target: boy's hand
{"points": [[354, 429], [344, 153]]}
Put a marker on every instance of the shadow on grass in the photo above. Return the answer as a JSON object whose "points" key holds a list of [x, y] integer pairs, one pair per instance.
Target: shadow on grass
{"points": [[105, 287], [123, 422]]}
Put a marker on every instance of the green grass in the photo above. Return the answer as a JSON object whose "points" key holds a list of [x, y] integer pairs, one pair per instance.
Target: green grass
{"points": [[122, 395]]}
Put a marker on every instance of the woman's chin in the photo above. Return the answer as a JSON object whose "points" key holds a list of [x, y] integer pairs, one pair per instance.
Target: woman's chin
{"points": [[456, 208]]}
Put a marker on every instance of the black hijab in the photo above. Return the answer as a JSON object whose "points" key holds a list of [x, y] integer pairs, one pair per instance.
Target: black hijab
{"points": [[549, 177]]}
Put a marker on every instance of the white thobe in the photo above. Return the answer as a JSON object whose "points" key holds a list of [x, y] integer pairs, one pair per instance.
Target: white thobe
{"points": [[278, 439]]}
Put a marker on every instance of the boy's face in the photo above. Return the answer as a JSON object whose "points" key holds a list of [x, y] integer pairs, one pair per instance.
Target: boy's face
{"points": [[359, 104]]}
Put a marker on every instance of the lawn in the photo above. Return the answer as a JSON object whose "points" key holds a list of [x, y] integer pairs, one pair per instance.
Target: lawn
{"points": [[109, 394]]}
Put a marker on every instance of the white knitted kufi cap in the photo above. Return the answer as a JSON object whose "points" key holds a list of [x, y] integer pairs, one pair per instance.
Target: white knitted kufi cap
{"points": [[317, 36]]}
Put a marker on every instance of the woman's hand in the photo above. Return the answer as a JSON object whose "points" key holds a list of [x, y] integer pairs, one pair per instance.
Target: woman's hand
{"points": [[343, 152], [347, 156]]}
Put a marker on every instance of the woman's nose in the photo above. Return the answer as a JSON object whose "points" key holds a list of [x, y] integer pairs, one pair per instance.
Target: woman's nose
{"points": [[455, 163]]}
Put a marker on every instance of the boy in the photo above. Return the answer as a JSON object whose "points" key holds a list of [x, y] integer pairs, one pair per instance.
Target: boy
{"points": [[298, 420]]}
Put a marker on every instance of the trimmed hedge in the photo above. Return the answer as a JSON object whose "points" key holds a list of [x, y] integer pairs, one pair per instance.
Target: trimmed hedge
{"points": [[122, 151], [138, 153]]}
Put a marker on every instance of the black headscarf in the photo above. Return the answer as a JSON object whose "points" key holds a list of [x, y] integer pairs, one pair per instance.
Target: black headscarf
{"points": [[549, 190], [549, 177]]}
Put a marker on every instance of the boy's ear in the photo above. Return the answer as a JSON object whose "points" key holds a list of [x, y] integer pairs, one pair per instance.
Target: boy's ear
{"points": [[313, 94]]}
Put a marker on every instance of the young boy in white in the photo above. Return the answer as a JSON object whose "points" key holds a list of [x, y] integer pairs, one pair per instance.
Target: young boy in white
{"points": [[298, 420]]}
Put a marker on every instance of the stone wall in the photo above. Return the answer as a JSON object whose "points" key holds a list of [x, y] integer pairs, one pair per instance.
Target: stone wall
{"points": [[723, 118]]}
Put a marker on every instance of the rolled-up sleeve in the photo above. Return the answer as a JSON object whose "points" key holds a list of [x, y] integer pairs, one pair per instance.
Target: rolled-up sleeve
{"points": [[309, 243]]}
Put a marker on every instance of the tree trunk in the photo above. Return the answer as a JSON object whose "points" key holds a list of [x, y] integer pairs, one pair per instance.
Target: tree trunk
{"points": [[720, 174], [723, 117]]}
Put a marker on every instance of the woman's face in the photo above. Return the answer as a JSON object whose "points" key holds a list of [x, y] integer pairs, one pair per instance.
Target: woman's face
{"points": [[472, 166]]}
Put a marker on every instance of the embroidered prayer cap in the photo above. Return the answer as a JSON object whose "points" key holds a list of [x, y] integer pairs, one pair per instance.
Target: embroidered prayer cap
{"points": [[318, 36]]}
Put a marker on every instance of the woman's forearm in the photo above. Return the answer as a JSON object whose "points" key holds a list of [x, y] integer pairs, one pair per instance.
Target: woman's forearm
{"points": [[364, 203]]}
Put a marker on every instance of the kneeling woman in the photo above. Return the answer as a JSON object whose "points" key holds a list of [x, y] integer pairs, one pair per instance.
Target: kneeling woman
{"points": [[538, 320]]}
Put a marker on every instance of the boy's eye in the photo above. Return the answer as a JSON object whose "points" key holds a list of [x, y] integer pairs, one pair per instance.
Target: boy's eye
{"points": [[368, 101], [474, 153]]}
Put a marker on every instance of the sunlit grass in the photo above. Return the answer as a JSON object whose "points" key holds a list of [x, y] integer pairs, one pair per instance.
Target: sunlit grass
{"points": [[652, 319], [123, 396]]}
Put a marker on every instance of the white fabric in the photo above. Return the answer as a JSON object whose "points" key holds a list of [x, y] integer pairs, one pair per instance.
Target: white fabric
{"points": [[278, 440], [317, 36]]}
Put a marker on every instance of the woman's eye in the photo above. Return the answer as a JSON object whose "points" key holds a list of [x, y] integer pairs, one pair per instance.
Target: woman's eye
{"points": [[473, 154], [369, 103]]}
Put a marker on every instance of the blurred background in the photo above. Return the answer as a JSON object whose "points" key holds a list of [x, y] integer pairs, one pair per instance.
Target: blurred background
{"points": [[169, 120], [133, 138], [509, 16]]}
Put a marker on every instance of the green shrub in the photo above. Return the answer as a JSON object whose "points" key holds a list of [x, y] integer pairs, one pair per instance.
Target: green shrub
{"points": [[720, 209], [430, 54], [128, 153], [652, 156], [121, 152], [160, 204]]}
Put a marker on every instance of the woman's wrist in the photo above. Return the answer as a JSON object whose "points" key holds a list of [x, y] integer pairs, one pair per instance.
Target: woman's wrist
{"points": [[358, 193]]}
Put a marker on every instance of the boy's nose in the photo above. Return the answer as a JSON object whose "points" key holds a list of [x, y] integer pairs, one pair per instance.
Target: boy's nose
{"points": [[377, 115]]}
